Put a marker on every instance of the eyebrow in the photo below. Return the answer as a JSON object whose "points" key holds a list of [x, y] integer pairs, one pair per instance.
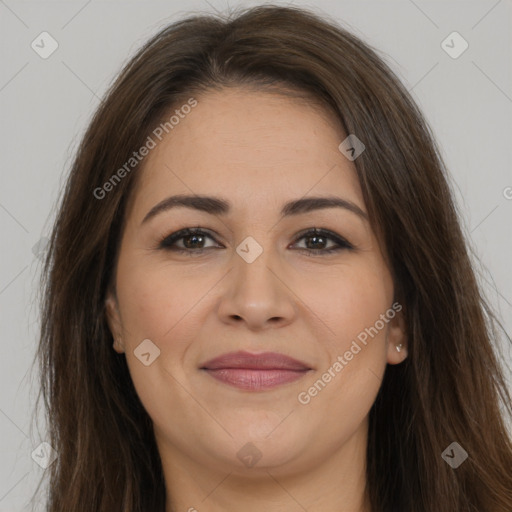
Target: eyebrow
{"points": [[219, 206]]}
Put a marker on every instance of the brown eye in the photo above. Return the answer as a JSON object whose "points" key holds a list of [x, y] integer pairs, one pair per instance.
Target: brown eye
{"points": [[317, 239], [192, 241]]}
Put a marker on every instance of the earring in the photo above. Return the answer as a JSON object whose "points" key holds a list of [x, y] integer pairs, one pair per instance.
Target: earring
{"points": [[399, 347]]}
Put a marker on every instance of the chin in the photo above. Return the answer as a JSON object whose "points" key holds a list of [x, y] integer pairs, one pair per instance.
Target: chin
{"points": [[262, 443]]}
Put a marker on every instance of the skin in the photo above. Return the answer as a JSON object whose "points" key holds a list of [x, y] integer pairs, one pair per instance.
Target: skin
{"points": [[256, 150]]}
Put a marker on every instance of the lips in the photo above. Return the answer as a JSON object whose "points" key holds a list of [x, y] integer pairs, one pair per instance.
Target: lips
{"points": [[255, 372], [263, 361]]}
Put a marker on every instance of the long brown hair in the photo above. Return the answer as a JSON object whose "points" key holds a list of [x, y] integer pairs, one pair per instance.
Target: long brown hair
{"points": [[449, 389]]}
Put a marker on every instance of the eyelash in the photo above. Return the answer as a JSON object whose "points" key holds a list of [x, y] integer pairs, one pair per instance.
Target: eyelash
{"points": [[167, 243]]}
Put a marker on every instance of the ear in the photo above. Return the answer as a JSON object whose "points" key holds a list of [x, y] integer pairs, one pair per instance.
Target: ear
{"points": [[114, 321], [397, 338]]}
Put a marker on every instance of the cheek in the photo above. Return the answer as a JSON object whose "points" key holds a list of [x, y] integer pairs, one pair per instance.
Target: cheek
{"points": [[158, 305], [352, 306], [349, 300], [158, 299], [343, 390]]}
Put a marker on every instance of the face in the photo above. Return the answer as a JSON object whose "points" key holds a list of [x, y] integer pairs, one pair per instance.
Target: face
{"points": [[310, 312]]}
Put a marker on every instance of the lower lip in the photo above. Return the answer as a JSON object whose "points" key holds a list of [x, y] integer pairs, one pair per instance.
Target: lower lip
{"points": [[255, 380]]}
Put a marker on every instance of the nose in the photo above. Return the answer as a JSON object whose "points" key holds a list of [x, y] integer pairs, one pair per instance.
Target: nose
{"points": [[258, 294]]}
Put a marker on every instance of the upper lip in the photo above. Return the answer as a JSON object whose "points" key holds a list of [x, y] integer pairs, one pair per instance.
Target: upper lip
{"points": [[261, 361]]}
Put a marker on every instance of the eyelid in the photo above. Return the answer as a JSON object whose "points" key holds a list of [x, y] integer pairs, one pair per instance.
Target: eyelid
{"points": [[323, 232], [167, 241], [342, 244]]}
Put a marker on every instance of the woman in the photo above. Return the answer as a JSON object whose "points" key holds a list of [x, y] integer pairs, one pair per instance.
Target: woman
{"points": [[196, 355]]}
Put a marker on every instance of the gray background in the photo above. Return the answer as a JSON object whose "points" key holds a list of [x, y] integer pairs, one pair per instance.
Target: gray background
{"points": [[45, 105]]}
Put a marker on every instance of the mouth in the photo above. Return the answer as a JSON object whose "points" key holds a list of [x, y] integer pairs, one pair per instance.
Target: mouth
{"points": [[255, 372]]}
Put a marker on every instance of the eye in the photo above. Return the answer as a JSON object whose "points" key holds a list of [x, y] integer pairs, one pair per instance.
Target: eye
{"points": [[318, 240], [192, 241]]}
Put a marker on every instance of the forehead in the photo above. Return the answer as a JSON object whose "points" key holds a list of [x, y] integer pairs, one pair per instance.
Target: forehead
{"points": [[251, 146]]}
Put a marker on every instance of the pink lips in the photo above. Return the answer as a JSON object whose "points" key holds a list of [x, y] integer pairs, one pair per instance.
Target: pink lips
{"points": [[255, 372]]}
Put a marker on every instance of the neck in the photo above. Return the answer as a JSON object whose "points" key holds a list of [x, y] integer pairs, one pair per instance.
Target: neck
{"points": [[334, 482]]}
